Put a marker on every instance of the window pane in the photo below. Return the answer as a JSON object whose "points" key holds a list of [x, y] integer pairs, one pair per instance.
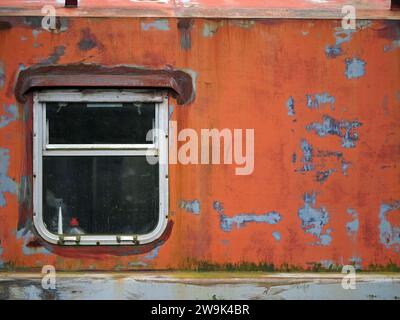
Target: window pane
{"points": [[88, 123], [100, 195]]}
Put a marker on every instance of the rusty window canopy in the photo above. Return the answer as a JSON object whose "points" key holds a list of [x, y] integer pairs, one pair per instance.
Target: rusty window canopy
{"points": [[83, 76]]}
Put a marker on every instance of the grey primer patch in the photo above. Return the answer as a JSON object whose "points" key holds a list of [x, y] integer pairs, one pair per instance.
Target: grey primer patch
{"points": [[11, 115], [352, 226], [243, 219], [6, 183], [290, 106], [55, 56], [322, 176], [314, 219], [160, 24], [307, 159], [192, 206], [314, 101], [88, 41], [342, 128], [389, 235], [355, 68]]}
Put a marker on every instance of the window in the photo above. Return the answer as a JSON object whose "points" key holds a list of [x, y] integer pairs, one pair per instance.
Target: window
{"points": [[93, 184]]}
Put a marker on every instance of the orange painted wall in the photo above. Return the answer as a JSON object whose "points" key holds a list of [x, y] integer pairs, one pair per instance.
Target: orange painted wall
{"points": [[245, 73]]}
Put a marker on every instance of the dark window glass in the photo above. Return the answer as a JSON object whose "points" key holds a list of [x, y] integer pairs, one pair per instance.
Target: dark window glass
{"points": [[100, 195], [89, 123]]}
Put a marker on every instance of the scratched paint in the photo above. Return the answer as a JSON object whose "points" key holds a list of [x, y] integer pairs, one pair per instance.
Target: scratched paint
{"points": [[242, 219], [389, 235], [341, 128], [11, 114], [355, 68], [290, 106], [7, 185], [316, 100], [192, 206], [159, 24], [314, 220]]}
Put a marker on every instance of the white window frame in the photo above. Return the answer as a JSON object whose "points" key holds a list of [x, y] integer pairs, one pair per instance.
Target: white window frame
{"points": [[42, 148]]}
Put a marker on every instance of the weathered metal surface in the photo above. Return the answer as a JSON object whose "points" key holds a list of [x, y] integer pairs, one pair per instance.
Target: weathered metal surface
{"points": [[328, 9], [170, 286], [324, 103]]}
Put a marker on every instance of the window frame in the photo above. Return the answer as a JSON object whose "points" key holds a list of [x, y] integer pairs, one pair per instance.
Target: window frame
{"points": [[41, 148]]}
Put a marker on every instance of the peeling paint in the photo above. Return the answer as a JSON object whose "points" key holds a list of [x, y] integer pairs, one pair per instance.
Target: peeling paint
{"points": [[276, 235], [345, 166], [211, 28], [243, 219], [290, 106], [192, 206], [322, 176], [344, 36], [10, 116], [159, 24], [314, 219], [342, 128], [314, 101], [2, 75], [307, 158], [6, 183], [395, 44], [55, 56], [389, 235], [355, 68], [352, 226], [88, 40], [153, 253]]}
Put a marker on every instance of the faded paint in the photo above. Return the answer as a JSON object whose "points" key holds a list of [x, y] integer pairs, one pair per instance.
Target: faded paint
{"points": [[192, 206], [314, 101], [355, 68], [340, 128], [242, 219], [313, 220], [389, 235]]}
